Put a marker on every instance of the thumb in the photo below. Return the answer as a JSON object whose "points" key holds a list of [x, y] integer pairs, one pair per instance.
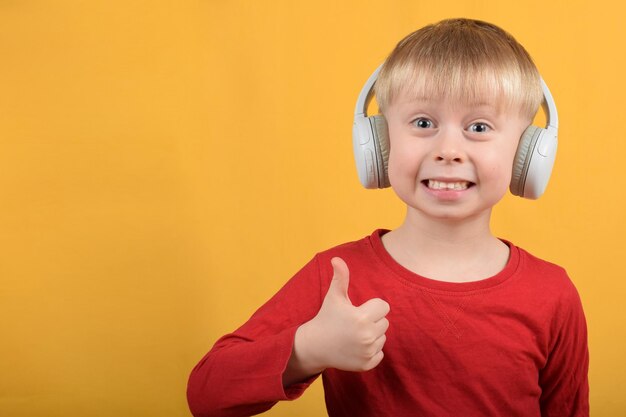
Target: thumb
{"points": [[341, 279]]}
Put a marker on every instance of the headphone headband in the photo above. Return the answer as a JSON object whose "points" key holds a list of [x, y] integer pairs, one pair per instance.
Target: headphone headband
{"points": [[365, 96], [552, 116]]}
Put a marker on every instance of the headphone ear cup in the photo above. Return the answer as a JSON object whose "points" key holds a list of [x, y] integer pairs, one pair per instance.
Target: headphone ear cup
{"points": [[522, 159], [381, 146], [365, 149]]}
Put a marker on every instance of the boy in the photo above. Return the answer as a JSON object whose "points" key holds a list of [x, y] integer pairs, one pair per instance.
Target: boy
{"points": [[470, 325]]}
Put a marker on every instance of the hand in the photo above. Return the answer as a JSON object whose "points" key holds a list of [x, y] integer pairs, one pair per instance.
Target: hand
{"points": [[342, 335]]}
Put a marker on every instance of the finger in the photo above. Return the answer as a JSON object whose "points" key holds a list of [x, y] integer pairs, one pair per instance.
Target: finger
{"points": [[375, 309], [341, 279], [372, 363], [377, 346], [381, 326]]}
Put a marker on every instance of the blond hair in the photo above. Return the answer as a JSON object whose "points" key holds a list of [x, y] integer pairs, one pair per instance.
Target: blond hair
{"points": [[462, 60]]}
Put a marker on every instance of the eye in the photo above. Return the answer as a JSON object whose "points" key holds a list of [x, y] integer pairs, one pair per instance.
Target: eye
{"points": [[479, 128], [422, 123]]}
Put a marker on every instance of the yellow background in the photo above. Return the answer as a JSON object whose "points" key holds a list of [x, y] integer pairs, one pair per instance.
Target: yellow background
{"points": [[166, 165]]}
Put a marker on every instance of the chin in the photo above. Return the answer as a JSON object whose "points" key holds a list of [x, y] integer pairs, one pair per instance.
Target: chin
{"points": [[452, 215]]}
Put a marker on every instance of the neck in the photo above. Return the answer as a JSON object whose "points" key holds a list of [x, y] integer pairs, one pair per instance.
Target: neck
{"points": [[426, 232], [447, 249]]}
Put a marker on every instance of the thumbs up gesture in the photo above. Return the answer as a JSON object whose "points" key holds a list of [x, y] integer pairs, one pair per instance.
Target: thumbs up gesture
{"points": [[342, 335]]}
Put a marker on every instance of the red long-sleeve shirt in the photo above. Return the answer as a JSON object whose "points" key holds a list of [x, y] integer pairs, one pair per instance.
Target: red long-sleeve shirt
{"points": [[514, 344]]}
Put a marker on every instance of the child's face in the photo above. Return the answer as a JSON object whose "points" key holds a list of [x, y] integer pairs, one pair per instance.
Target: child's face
{"points": [[450, 160]]}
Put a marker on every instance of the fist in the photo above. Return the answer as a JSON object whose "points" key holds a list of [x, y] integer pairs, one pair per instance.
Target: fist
{"points": [[341, 335]]}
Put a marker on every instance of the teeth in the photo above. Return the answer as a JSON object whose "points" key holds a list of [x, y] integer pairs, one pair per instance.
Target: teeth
{"points": [[440, 185]]}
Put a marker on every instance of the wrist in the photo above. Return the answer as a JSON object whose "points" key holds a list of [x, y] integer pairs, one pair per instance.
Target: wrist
{"points": [[306, 350], [300, 365]]}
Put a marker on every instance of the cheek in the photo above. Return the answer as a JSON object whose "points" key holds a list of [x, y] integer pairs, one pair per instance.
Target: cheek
{"points": [[509, 159], [401, 162], [499, 166], [501, 173], [402, 172], [393, 167]]}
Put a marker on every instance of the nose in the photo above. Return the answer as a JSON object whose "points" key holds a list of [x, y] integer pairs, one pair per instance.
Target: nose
{"points": [[449, 149]]}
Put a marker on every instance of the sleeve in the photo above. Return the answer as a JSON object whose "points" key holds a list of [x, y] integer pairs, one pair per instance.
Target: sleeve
{"points": [[242, 374], [564, 380]]}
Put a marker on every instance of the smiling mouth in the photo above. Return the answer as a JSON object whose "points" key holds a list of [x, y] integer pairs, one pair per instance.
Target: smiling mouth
{"points": [[445, 185]]}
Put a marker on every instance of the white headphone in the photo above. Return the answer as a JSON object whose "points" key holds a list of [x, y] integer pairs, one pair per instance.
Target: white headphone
{"points": [[532, 165]]}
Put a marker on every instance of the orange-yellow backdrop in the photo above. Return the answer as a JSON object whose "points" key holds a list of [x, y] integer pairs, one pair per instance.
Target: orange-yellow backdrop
{"points": [[166, 165]]}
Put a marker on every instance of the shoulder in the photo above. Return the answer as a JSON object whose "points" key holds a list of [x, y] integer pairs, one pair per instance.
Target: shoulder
{"points": [[548, 293], [548, 272], [549, 279], [358, 254]]}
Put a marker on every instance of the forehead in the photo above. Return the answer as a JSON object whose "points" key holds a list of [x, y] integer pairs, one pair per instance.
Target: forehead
{"points": [[463, 87], [503, 88], [408, 107], [409, 98]]}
